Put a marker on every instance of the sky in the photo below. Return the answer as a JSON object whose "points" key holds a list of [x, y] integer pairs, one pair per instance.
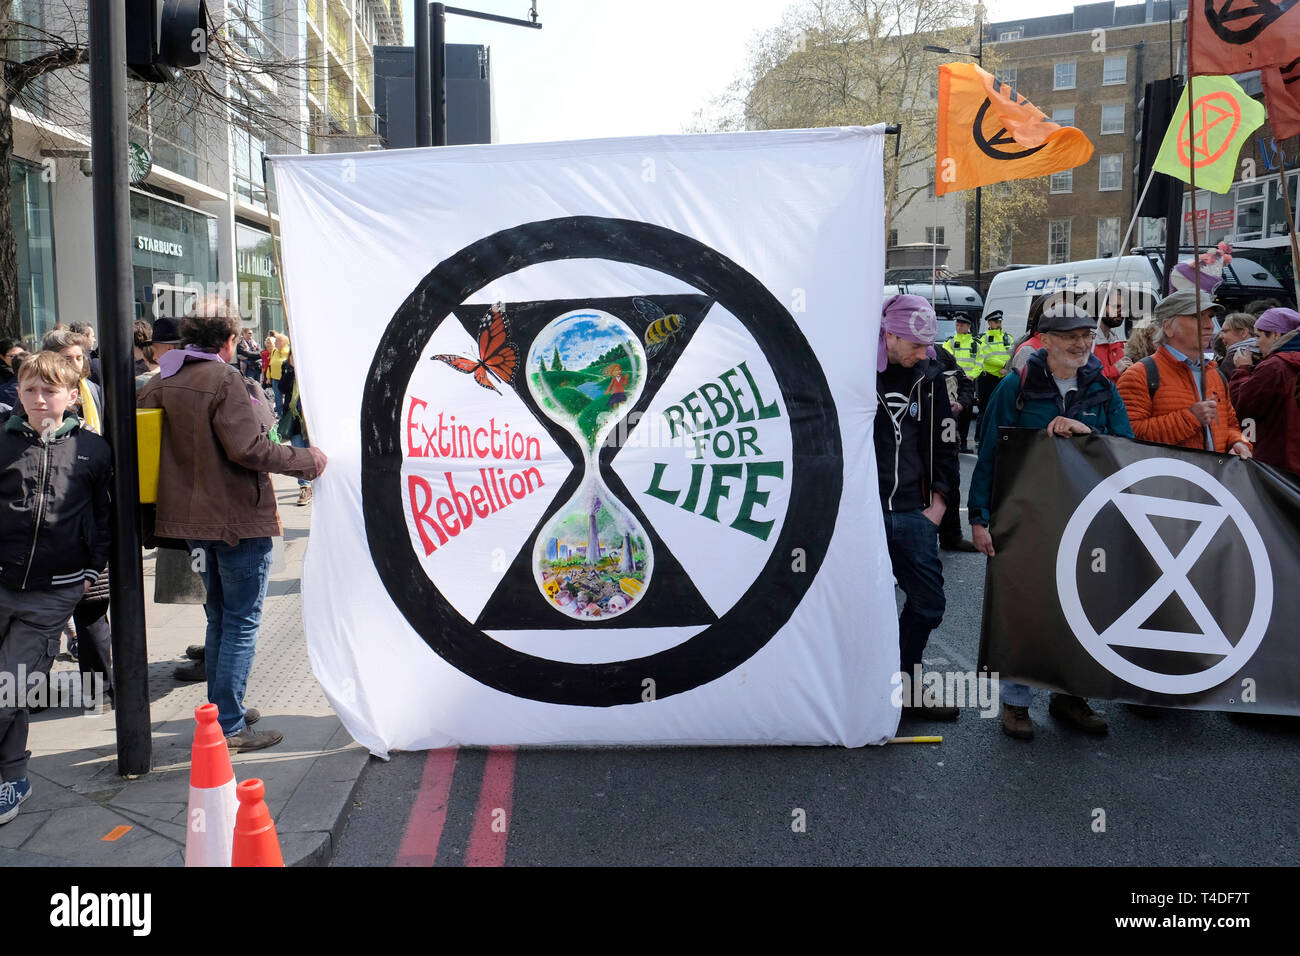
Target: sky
{"points": [[601, 68]]}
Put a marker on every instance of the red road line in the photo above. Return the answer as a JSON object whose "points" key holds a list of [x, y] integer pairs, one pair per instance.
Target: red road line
{"points": [[487, 839], [429, 812]]}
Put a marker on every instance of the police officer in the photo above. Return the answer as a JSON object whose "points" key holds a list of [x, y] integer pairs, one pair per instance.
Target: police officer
{"points": [[995, 355], [965, 348]]}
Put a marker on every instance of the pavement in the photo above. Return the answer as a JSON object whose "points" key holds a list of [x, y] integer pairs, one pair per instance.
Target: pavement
{"points": [[79, 802]]}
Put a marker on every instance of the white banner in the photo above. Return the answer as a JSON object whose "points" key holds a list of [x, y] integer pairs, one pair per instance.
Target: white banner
{"points": [[599, 424]]}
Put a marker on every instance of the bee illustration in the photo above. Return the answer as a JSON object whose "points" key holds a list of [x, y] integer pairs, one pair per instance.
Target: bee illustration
{"points": [[662, 327]]}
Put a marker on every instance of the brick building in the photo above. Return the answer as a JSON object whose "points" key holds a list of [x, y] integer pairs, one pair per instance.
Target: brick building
{"points": [[1087, 68]]}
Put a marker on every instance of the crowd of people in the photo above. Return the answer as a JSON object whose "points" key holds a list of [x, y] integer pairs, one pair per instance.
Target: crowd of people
{"points": [[1073, 373], [219, 431]]}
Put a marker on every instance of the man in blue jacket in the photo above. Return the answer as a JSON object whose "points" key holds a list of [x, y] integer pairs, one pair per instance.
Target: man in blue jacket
{"points": [[1062, 388]]}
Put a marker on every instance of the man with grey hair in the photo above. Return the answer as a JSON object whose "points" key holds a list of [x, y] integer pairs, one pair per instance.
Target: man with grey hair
{"points": [[214, 491], [1175, 395]]}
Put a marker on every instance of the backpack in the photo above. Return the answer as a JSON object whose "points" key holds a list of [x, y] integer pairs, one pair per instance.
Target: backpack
{"points": [[1153, 376]]}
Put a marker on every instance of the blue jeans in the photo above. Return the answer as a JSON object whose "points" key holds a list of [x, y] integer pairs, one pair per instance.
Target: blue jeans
{"points": [[297, 441], [914, 553], [235, 576], [279, 397]]}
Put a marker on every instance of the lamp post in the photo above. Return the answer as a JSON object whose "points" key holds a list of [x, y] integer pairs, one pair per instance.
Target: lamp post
{"points": [[979, 58]]}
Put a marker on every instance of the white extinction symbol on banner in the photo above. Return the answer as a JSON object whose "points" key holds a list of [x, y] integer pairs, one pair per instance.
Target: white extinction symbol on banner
{"points": [[1127, 630]]}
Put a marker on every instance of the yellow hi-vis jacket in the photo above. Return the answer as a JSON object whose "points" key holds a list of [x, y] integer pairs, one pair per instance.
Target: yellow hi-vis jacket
{"points": [[995, 351], [966, 350]]}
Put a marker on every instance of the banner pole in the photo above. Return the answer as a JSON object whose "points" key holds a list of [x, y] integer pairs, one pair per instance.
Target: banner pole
{"points": [[1290, 226], [1196, 250], [1127, 235]]}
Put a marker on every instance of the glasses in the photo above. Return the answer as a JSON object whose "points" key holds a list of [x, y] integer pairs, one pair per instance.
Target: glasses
{"points": [[1082, 335]]}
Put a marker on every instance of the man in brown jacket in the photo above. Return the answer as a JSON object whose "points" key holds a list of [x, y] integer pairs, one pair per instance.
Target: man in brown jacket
{"points": [[215, 492]]}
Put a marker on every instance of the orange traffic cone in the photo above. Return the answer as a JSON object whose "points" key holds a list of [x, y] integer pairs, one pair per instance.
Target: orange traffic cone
{"points": [[210, 823], [255, 841]]}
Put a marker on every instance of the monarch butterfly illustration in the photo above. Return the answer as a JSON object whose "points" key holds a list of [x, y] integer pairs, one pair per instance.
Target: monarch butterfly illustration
{"points": [[496, 353], [662, 327]]}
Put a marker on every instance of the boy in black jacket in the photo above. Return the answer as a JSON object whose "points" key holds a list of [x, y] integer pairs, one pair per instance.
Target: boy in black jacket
{"points": [[54, 539]]}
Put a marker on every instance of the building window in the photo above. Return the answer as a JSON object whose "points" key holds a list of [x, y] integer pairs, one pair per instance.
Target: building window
{"points": [[1008, 76], [934, 235], [1010, 35], [1063, 115], [31, 207], [1062, 182], [1064, 77], [1058, 241], [893, 237], [1107, 237], [1114, 71], [1112, 118], [1112, 173]]}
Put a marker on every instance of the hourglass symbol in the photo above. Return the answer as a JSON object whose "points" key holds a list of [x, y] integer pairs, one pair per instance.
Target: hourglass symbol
{"points": [[593, 560]]}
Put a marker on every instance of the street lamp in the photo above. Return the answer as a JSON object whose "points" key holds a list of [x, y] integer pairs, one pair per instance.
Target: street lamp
{"points": [[979, 58]]}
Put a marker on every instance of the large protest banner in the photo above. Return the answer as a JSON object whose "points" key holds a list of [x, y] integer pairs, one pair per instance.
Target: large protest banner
{"points": [[1144, 573], [599, 424]]}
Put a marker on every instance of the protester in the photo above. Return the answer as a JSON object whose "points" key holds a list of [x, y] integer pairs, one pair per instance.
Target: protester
{"points": [[1236, 334], [165, 337], [268, 346], [1268, 392], [1063, 390], [94, 371], [293, 425], [1167, 401], [43, 577], [917, 463], [250, 356], [145, 365], [1030, 342], [10, 349], [995, 355], [965, 348], [215, 492], [1258, 307], [278, 356], [1109, 341], [89, 400], [1141, 342]]}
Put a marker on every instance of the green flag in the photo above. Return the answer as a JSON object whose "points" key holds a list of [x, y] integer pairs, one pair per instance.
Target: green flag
{"points": [[1211, 134]]}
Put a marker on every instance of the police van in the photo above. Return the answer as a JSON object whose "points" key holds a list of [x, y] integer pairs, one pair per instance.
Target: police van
{"points": [[1012, 290]]}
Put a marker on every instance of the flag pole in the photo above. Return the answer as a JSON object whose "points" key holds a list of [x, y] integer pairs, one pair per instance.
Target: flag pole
{"points": [[1127, 235], [1196, 251], [1290, 225]]}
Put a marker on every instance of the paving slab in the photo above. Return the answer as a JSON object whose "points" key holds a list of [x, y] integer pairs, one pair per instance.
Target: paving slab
{"points": [[79, 797]]}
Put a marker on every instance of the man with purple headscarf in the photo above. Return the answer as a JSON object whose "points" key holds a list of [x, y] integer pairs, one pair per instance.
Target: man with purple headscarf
{"points": [[1265, 395], [916, 457]]}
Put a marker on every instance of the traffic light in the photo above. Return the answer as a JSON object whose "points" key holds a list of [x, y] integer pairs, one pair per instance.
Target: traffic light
{"points": [[165, 35]]}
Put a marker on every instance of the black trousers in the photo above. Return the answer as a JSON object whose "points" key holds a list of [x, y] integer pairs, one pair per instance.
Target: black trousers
{"points": [[950, 526], [94, 641], [984, 386]]}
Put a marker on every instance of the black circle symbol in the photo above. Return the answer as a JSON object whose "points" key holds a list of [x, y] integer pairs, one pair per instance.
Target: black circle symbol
{"points": [[815, 480], [1266, 11], [999, 138]]}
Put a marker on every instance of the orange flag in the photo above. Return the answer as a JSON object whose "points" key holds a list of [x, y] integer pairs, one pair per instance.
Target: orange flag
{"points": [[989, 133], [1235, 36], [1282, 96]]}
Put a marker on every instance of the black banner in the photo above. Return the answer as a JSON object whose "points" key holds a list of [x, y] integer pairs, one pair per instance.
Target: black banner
{"points": [[1143, 573]]}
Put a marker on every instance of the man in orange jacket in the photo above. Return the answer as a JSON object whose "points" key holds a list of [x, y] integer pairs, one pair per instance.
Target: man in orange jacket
{"points": [[1166, 399]]}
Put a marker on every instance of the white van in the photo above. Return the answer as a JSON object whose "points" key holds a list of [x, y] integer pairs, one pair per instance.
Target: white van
{"points": [[1012, 291]]}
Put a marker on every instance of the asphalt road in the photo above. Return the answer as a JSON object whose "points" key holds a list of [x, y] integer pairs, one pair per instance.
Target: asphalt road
{"points": [[1175, 788]]}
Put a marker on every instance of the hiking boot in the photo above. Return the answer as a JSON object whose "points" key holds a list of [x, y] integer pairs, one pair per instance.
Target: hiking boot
{"points": [[196, 652], [930, 712], [1075, 710], [957, 544], [1016, 722], [249, 739], [252, 715], [12, 794], [191, 672], [304, 495]]}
